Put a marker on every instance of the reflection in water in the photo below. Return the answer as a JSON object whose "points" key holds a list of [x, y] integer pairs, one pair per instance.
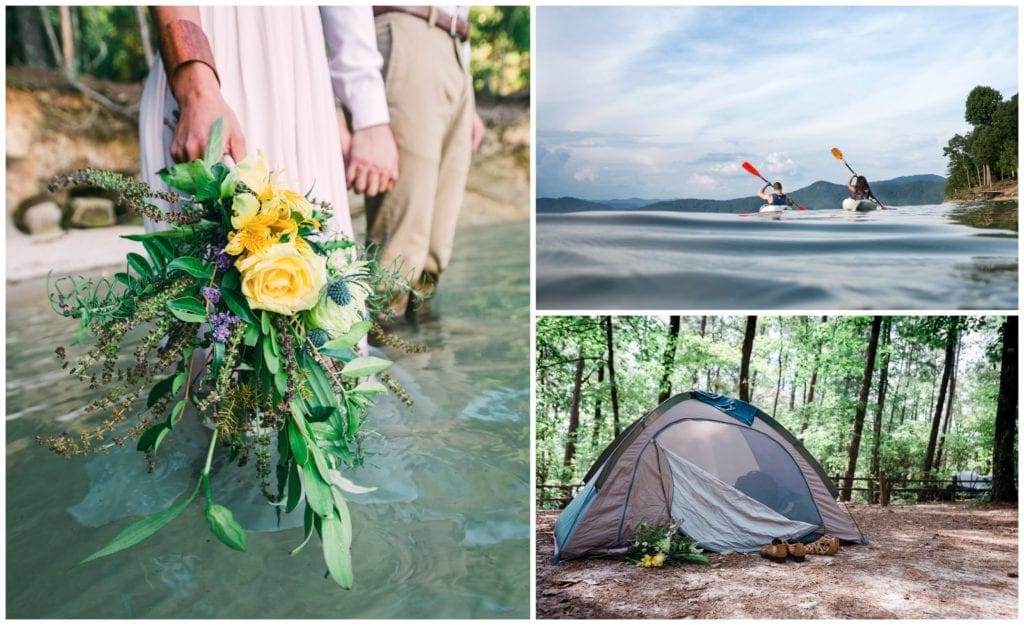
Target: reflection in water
{"points": [[445, 534], [915, 257]]}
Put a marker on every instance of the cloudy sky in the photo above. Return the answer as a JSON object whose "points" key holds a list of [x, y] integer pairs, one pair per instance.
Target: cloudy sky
{"points": [[666, 102]]}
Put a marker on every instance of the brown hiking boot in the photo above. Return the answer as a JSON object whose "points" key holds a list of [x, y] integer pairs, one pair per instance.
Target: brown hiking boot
{"points": [[796, 550], [824, 546], [776, 551]]}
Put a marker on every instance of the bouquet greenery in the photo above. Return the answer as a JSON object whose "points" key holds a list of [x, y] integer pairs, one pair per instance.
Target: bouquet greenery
{"points": [[654, 545], [253, 315]]}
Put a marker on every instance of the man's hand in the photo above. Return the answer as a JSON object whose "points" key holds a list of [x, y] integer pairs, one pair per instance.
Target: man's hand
{"points": [[201, 103], [372, 166], [478, 131]]}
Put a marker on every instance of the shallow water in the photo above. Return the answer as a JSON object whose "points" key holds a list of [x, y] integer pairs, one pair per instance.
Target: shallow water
{"points": [[942, 256], [445, 535]]}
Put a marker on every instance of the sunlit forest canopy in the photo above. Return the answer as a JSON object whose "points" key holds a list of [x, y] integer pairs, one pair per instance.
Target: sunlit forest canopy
{"points": [[116, 43], [938, 378]]}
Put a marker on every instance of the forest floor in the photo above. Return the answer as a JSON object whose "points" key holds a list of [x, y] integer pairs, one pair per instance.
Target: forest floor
{"points": [[945, 560]]}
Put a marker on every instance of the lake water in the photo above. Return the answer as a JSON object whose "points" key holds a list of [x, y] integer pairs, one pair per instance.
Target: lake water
{"points": [[447, 533], [914, 257]]}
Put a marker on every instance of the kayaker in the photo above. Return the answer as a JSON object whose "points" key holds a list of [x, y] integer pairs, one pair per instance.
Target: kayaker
{"points": [[777, 198], [859, 188]]}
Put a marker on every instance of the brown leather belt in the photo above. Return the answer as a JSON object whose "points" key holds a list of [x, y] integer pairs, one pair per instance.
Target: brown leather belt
{"points": [[457, 27]]}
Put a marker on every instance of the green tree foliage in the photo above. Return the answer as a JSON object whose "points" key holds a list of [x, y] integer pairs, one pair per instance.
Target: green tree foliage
{"points": [[989, 151], [108, 44], [500, 49], [806, 371]]}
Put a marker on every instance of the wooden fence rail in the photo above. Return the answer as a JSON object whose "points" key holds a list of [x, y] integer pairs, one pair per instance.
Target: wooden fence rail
{"points": [[559, 495]]}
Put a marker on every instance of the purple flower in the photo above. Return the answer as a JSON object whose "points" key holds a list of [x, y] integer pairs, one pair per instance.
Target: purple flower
{"points": [[212, 294], [221, 326], [224, 261]]}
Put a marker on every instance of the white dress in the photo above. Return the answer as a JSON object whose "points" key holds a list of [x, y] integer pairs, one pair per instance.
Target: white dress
{"points": [[273, 69]]}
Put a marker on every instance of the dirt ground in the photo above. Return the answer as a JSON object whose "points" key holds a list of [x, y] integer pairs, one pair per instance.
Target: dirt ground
{"points": [[949, 560]]}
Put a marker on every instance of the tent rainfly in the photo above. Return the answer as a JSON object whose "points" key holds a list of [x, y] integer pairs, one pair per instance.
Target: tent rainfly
{"points": [[730, 474]]}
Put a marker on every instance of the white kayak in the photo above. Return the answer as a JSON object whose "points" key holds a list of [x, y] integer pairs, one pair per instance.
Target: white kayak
{"points": [[773, 208], [850, 204]]}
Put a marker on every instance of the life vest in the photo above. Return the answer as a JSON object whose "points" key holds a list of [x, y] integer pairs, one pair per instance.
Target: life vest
{"points": [[863, 195], [778, 199]]}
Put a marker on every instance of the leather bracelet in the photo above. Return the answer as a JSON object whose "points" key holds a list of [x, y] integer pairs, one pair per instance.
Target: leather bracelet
{"points": [[183, 41]]}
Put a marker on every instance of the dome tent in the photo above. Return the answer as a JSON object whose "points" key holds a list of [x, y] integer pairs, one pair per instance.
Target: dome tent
{"points": [[732, 475]]}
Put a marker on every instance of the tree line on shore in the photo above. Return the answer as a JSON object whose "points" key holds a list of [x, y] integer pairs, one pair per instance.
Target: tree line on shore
{"points": [[988, 153], [913, 397]]}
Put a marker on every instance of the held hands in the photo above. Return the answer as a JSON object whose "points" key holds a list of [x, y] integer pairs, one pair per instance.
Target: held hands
{"points": [[372, 160], [478, 131], [198, 94]]}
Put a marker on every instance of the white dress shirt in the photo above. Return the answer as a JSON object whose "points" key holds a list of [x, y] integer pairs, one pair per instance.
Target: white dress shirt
{"points": [[355, 63]]}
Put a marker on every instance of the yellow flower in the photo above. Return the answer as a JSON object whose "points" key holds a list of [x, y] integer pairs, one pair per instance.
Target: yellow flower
{"points": [[282, 280], [254, 173], [252, 228], [659, 558]]}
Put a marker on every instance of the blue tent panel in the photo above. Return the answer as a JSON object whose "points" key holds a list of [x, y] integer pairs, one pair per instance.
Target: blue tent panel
{"points": [[739, 410]]}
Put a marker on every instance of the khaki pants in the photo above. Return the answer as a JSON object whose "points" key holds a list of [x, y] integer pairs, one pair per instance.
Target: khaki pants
{"points": [[430, 99]]}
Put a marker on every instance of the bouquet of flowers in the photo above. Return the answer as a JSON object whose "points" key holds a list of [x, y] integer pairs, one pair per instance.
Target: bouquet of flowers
{"points": [[252, 315], [654, 545]]}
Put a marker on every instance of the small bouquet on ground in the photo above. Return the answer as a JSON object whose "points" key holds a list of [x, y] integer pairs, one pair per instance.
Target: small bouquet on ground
{"points": [[654, 545], [253, 315]]}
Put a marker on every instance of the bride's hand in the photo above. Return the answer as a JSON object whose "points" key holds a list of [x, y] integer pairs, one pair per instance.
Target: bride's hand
{"points": [[373, 162], [198, 94]]}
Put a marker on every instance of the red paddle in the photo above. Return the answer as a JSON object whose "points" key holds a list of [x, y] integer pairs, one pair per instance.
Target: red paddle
{"points": [[753, 170]]}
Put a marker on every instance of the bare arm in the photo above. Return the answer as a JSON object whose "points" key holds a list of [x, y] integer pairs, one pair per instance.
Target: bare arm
{"points": [[197, 90], [761, 194]]}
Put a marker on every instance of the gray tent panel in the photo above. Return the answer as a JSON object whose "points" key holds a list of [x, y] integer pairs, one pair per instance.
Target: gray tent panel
{"points": [[719, 517]]}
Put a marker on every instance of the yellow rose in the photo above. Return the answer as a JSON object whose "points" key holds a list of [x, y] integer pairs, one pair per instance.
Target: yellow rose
{"points": [[282, 280]]}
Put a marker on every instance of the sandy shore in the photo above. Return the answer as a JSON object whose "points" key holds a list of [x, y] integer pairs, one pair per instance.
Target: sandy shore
{"points": [[72, 251]]}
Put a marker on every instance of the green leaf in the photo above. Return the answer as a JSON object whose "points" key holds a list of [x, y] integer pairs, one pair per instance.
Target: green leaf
{"points": [[231, 279], [365, 365], [318, 492], [188, 309], [148, 439], [252, 335], [350, 338], [297, 442], [186, 177], [343, 355], [143, 528], [265, 324], [160, 439], [370, 387], [140, 265], [215, 145], [192, 266], [307, 523], [273, 363], [225, 527], [177, 381], [228, 185], [156, 255], [174, 233], [336, 554], [294, 486], [176, 412], [236, 303], [160, 389]]}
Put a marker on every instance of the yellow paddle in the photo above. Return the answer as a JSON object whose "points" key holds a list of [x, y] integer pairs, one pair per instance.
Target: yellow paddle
{"points": [[836, 152]]}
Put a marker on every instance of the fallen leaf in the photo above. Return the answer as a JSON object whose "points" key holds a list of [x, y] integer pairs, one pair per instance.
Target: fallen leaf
{"points": [[808, 605], [559, 583]]}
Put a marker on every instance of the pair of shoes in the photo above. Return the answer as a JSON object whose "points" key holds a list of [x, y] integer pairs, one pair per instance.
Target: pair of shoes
{"points": [[778, 550], [824, 546]]}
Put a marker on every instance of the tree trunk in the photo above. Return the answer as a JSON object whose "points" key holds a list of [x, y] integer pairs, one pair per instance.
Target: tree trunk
{"points": [[748, 345], [778, 384], [611, 376], [929, 455], [668, 359], [1004, 459], [574, 417], [883, 384], [29, 28], [949, 409], [595, 435], [147, 40], [67, 40], [862, 408]]}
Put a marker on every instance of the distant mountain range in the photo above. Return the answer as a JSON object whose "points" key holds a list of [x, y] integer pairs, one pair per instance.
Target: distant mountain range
{"points": [[901, 191]]}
